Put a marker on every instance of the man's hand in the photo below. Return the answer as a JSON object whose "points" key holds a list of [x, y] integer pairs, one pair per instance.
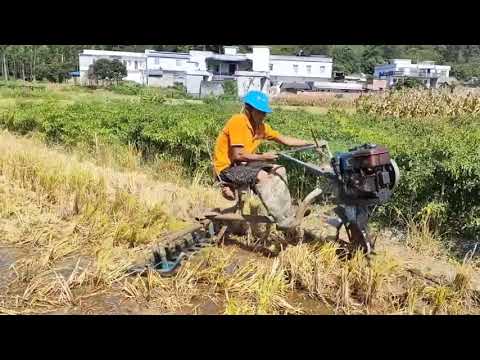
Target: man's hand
{"points": [[270, 156]]}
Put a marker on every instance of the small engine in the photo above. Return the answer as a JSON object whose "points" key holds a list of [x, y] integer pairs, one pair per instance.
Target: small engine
{"points": [[364, 176], [367, 174]]}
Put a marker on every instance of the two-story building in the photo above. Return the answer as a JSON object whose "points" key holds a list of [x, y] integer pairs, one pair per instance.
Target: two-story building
{"points": [[299, 68], [428, 72], [165, 68]]}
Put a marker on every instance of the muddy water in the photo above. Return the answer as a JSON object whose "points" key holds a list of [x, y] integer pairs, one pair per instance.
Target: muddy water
{"points": [[114, 302], [103, 303], [308, 305], [203, 305], [8, 255], [111, 304]]}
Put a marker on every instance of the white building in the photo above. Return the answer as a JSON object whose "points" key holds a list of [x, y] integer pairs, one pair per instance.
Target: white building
{"points": [[300, 68], [249, 70], [255, 70], [165, 69], [431, 74], [134, 62]]}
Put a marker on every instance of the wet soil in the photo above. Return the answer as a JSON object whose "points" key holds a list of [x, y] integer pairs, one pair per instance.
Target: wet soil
{"points": [[114, 302], [8, 256], [309, 305]]}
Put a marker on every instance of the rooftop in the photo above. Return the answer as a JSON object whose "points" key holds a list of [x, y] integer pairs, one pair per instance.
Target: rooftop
{"points": [[167, 54], [112, 53], [223, 57], [316, 58], [408, 63], [296, 86]]}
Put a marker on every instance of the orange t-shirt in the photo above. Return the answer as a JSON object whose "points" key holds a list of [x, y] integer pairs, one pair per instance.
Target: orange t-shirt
{"points": [[239, 132]]}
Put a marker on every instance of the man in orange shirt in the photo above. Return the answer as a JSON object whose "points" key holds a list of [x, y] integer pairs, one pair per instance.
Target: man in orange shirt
{"points": [[237, 164]]}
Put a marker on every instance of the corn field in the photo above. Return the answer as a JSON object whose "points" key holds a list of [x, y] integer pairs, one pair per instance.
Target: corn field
{"points": [[411, 103]]}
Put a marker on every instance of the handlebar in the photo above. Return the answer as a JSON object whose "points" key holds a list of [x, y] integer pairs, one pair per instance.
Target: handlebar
{"points": [[298, 149], [315, 169]]}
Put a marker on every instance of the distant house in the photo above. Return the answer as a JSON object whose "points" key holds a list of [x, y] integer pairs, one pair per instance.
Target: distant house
{"points": [[256, 70], [428, 72], [300, 68], [165, 68], [134, 62]]}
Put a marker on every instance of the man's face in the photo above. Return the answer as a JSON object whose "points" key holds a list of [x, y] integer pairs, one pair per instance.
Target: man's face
{"points": [[258, 116]]}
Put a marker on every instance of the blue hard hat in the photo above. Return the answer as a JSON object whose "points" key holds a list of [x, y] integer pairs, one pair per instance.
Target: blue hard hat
{"points": [[257, 100]]}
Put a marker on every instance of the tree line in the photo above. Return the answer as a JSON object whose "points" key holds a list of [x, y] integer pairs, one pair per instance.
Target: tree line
{"points": [[55, 62]]}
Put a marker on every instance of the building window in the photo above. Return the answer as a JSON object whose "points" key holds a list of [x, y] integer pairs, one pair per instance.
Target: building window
{"points": [[295, 68], [157, 61], [136, 65], [124, 62], [322, 69], [129, 63], [309, 69], [271, 67]]}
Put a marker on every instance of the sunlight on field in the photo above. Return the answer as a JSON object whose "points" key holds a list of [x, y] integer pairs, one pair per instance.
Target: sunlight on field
{"points": [[99, 176]]}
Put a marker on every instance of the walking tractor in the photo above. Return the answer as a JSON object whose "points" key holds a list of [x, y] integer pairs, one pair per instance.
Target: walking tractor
{"points": [[361, 179]]}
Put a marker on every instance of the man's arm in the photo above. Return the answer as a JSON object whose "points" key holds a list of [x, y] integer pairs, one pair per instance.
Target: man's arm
{"points": [[273, 135], [290, 141], [238, 155]]}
